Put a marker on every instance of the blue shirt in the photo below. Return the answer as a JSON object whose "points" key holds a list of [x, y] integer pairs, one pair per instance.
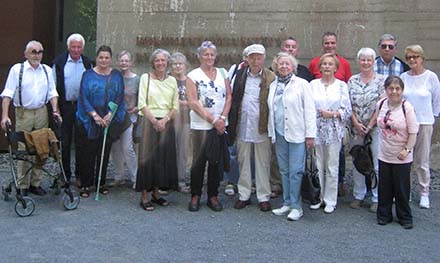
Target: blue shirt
{"points": [[395, 68], [92, 98], [73, 71]]}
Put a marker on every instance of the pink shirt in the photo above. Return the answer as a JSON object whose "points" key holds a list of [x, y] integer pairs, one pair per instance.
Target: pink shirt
{"points": [[393, 135]]}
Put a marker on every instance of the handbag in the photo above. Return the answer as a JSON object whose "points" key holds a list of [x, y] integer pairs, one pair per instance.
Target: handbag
{"points": [[310, 185], [363, 161], [138, 128], [117, 128]]}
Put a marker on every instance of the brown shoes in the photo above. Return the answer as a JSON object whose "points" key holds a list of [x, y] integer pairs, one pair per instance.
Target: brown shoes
{"points": [[242, 204], [214, 204], [265, 206], [194, 204]]}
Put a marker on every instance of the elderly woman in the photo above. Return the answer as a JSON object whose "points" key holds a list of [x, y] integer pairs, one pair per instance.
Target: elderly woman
{"points": [[422, 89], [209, 96], [179, 66], [123, 149], [158, 103], [365, 89], [398, 130], [333, 110], [292, 126], [99, 86]]}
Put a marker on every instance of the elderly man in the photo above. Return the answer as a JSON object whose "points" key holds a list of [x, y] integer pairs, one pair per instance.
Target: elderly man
{"points": [[30, 86], [291, 46], [68, 68], [248, 121], [387, 63], [329, 45]]}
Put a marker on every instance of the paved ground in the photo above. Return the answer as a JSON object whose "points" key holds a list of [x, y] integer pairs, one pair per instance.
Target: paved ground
{"points": [[115, 229]]}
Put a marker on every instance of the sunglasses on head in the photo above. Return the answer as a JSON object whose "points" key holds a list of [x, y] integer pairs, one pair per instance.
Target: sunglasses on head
{"points": [[384, 46], [37, 52]]}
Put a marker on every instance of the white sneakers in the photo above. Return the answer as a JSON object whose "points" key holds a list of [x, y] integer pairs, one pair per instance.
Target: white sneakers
{"points": [[316, 207], [295, 215], [229, 190], [424, 202], [328, 209], [284, 210]]}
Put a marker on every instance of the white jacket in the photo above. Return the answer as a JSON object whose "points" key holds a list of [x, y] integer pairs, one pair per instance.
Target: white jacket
{"points": [[299, 111]]}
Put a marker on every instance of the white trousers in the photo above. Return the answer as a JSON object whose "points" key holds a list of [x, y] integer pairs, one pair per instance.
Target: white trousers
{"points": [[327, 158], [262, 169], [422, 150], [122, 152]]}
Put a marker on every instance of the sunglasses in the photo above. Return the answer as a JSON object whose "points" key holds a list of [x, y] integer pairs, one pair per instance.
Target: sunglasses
{"points": [[384, 46], [412, 57], [386, 118], [37, 52]]}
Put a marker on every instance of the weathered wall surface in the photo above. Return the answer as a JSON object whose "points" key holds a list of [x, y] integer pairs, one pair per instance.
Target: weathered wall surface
{"points": [[179, 25]]}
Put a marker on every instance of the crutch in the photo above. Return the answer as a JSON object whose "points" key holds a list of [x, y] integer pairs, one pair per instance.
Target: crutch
{"points": [[113, 108]]}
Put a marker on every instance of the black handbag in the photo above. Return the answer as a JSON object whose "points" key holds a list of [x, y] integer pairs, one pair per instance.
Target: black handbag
{"points": [[310, 186], [117, 128], [138, 128], [363, 161]]}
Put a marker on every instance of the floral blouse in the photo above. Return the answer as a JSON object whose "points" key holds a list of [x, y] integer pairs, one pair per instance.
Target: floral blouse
{"points": [[364, 97], [334, 97]]}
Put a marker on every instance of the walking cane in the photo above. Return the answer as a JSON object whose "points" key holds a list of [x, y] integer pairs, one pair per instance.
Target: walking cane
{"points": [[113, 108]]}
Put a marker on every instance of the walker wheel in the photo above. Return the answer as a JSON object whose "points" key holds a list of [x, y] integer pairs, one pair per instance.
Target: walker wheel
{"points": [[25, 208], [71, 204]]}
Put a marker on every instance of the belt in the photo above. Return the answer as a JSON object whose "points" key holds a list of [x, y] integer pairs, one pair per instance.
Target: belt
{"points": [[70, 102]]}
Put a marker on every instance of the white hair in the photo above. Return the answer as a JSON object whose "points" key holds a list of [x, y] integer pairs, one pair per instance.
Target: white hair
{"points": [[366, 51], [31, 43], [75, 37]]}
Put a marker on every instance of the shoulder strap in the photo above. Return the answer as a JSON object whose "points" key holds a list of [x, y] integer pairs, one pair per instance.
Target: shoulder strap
{"points": [[148, 87], [403, 106], [47, 81], [20, 80], [222, 71]]}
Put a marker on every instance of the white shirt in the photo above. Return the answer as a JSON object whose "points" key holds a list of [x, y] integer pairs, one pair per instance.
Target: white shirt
{"points": [[35, 92], [250, 111], [423, 91], [299, 110], [212, 96]]}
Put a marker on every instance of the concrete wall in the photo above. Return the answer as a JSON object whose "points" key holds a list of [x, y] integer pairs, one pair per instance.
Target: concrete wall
{"points": [[143, 25]]}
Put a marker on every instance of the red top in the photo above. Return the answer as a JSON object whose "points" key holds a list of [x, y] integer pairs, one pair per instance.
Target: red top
{"points": [[343, 73]]}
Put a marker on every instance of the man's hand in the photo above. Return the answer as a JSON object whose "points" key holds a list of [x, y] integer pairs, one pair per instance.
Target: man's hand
{"points": [[4, 121]]}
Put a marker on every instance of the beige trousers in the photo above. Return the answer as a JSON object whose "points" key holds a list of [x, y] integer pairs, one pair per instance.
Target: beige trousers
{"points": [[422, 150], [28, 120]]}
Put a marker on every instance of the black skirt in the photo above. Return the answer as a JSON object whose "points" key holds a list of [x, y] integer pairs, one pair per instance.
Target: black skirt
{"points": [[157, 166]]}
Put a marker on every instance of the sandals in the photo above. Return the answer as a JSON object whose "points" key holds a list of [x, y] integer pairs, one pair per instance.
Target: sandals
{"points": [[84, 192], [160, 201], [104, 191], [147, 206]]}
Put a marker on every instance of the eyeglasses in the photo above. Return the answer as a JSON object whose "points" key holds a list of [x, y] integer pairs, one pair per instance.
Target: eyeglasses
{"points": [[384, 46], [177, 64], [412, 57], [37, 52], [386, 118]]}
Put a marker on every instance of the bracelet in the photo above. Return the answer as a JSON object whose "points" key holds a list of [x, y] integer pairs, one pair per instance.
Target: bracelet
{"points": [[223, 117], [168, 117], [334, 115]]}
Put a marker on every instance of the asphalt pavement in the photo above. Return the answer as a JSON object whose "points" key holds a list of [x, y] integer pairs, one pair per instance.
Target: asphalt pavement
{"points": [[116, 229]]}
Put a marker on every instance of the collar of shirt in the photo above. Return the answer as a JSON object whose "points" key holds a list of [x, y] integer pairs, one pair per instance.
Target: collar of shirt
{"points": [[256, 75], [383, 62], [70, 59], [28, 65]]}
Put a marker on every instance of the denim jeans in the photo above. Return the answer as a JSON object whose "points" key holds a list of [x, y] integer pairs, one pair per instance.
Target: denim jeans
{"points": [[291, 158], [233, 174]]}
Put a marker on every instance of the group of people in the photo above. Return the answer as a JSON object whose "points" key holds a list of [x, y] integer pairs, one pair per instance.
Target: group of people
{"points": [[205, 121]]}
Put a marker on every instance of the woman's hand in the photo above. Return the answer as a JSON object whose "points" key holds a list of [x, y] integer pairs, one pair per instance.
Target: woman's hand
{"points": [[107, 119], [219, 125], [403, 154], [99, 121], [327, 114], [310, 143], [361, 129], [161, 124]]}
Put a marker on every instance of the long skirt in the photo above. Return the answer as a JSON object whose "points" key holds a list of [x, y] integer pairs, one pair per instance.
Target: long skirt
{"points": [[157, 159]]}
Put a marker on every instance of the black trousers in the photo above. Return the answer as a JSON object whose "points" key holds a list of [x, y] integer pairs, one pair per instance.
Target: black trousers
{"points": [[394, 182], [69, 133], [200, 160], [90, 158]]}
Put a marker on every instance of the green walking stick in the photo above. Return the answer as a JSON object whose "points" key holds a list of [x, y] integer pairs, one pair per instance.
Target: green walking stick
{"points": [[113, 109]]}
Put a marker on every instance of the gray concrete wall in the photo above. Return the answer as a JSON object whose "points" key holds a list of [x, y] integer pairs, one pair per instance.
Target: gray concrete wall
{"points": [[180, 25]]}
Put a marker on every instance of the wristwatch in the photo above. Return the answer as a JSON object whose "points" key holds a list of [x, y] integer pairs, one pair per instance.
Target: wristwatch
{"points": [[223, 117], [334, 115], [407, 150]]}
